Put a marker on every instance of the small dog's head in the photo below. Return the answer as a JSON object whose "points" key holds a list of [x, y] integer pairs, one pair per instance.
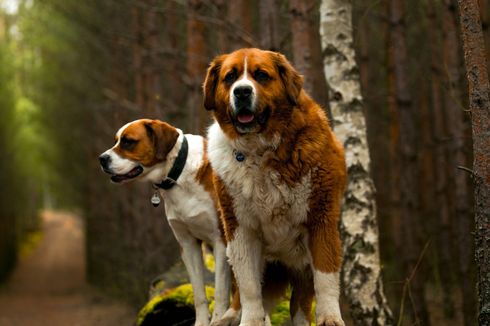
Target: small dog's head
{"points": [[140, 146]]}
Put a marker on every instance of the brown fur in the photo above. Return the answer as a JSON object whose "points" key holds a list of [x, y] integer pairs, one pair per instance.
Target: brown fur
{"points": [[154, 140], [205, 176], [302, 295], [225, 210], [307, 145]]}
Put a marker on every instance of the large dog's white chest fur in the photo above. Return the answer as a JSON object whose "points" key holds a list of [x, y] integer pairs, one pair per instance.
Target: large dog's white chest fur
{"points": [[262, 202]]}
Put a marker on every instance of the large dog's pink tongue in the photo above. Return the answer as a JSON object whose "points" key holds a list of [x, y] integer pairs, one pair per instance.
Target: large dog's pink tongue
{"points": [[245, 117]]}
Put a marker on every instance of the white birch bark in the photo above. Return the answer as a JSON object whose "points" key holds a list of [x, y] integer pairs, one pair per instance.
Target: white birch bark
{"points": [[361, 271]]}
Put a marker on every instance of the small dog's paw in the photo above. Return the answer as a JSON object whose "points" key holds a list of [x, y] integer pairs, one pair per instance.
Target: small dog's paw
{"points": [[230, 318], [229, 321], [254, 323], [329, 320], [199, 323]]}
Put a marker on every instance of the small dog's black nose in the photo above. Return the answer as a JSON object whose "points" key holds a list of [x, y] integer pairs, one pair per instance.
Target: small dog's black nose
{"points": [[242, 92], [104, 160]]}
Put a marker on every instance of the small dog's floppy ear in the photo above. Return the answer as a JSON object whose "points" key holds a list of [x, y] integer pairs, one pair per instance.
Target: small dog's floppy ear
{"points": [[291, 79], [163, 137], [211, 82]]}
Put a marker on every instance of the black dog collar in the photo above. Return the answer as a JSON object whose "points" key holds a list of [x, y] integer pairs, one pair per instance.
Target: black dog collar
{"points": [[177, 168]]}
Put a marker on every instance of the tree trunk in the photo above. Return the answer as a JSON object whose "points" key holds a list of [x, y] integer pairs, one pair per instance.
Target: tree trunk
{"points": [[152, 62], [196, 65], [137, 55], [361, 272], [221, 32], [409, 201], [306, 46], [239, 15], [479, 89], [269, 25], [458, 147], [440, 171], [394, 149]]}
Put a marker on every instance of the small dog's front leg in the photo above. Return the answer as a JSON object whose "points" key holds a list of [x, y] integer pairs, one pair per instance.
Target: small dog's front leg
{"points": [[222, 280]]}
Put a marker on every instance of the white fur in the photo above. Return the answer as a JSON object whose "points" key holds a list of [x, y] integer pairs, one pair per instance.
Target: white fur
{"points": [[270, 214], [299, 319], [271, 217], [262, 202], [192, 216], [327, 297], [244, 81]]}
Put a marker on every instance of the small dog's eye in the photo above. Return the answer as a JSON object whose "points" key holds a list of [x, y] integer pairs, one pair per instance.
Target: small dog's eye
{"points": [[230, 77], [261, 76], [127, 143]]}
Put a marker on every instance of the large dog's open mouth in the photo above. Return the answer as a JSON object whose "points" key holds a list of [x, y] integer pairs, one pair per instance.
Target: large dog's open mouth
{"points": [[245, 116], [246, 120], [130, 175]]}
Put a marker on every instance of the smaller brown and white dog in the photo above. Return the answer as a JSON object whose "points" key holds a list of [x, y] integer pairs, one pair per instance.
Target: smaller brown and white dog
{"points": [[154, 151]]}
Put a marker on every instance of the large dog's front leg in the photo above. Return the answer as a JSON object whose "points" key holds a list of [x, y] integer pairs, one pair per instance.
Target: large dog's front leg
{"points": [[245, 254], [222, 280], [325, 250], [193, 261]]}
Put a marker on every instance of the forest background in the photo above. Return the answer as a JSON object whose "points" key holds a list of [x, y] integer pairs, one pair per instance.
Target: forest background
{"points": [[72, 72]]}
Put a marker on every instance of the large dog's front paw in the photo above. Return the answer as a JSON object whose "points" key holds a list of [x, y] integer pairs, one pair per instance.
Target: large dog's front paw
{"points": [[329, 320]]}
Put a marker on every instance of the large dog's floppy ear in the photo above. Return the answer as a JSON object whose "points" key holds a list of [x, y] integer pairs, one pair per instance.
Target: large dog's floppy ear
{"points": [[292, 80], [163, 137], [211, 82]]}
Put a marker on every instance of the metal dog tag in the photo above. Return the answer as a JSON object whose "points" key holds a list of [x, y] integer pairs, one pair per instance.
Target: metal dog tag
{"points": [[155, 199]]}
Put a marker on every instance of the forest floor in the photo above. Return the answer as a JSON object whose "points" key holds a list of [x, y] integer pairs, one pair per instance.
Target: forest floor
{"points": [[48, 286]]}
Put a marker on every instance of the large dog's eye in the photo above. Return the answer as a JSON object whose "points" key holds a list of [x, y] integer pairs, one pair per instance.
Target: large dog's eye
{"points": [[261, 76], [230, 77], [127, 143]]}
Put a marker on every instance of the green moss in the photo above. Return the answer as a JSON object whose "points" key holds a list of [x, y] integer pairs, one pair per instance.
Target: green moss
{"points": [[209, 262], [281, 314], [179, 297], [179, 303]]}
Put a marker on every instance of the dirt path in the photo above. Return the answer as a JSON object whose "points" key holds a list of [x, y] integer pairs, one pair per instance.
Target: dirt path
{"points": [[48, 287]]}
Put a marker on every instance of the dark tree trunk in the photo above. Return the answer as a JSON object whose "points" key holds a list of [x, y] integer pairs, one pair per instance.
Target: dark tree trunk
{"points": [[136, 15], [221, 32], [306, 46], [458, 157], [440, 171], [479, 89], [409, 201], [152, 62], [239, 15], [269, 25], [196, 65]]}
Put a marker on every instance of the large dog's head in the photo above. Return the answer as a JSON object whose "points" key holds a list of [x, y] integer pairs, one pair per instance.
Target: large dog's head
{"points": [[246, 88], [140, 146]]}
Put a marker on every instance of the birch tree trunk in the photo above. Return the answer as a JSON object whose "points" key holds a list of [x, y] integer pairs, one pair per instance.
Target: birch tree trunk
{"points": [[479, 91], [361, 272]]}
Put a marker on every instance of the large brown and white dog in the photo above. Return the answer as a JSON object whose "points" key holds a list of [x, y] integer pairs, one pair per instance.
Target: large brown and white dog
{"points": [[177, 164], [280, 178]]}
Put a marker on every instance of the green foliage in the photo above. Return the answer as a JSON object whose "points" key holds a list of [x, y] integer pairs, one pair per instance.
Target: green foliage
{"points": [[168, 304]]}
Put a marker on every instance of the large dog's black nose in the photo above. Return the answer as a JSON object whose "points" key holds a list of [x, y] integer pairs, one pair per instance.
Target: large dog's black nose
{"points": [[104, 160], [242, 92]]}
